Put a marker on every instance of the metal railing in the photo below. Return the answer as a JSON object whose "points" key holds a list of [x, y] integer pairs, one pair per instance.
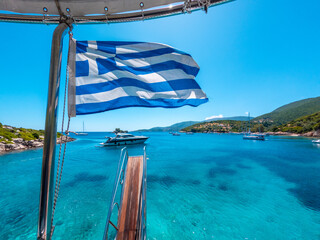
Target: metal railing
{"points": [[48, 157], [142, 219], [186, 6], [141, 231], [121, 167]]}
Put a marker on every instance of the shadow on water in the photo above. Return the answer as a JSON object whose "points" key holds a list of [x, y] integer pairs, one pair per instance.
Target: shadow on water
{"points": [[167, 181], [214, 171], [15, 217], [193, 182], [306, 189], [223, 187], [243, 166], [290, 167], [86, 177]]}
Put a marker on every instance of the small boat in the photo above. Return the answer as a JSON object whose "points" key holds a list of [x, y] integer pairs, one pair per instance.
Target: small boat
{"points": [[254, 137], [189, 133], [316, 141], [175, 134], [82, 133], [249, 136], [124, 139]]}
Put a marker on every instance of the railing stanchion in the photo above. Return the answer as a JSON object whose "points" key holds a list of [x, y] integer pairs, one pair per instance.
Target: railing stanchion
{"points": [[50, 136]]}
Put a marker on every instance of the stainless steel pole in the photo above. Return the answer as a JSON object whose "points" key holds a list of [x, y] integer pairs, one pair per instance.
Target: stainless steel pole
{"points": [[48, 159]]}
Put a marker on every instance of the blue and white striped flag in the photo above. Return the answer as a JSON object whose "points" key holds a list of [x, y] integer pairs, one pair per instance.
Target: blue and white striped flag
{"points": [[111, 75]]}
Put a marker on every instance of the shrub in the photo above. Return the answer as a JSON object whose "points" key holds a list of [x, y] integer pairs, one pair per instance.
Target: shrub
{"points": [[36, 135], [7, 134], [27, 136], [316, 127], [297, 130]]}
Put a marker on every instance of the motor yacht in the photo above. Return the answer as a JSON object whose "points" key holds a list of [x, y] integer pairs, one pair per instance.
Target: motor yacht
{"points": [[124, 139], [316, 141]]}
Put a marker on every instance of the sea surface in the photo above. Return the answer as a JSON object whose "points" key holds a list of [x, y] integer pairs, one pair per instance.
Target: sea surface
{"points": [[201, 186]]}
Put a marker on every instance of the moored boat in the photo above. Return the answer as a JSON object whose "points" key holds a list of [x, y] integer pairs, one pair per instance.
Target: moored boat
{"points": [[124, 139], [249, 136], [254, 137], [82, 133], [316, 141]]}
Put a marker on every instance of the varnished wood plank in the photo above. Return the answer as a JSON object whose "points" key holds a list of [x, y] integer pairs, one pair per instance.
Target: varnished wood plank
{"points": [[129, 209]]}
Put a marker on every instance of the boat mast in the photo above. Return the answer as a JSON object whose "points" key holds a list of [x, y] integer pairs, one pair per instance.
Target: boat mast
{"points": [[249, 122], [48, 159]]}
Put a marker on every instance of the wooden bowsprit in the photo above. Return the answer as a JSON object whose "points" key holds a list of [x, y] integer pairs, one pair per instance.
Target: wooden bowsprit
{"points": [[131, 220]]}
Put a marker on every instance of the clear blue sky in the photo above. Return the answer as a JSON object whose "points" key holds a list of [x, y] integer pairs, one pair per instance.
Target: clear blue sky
{"points": [[254, 55]]}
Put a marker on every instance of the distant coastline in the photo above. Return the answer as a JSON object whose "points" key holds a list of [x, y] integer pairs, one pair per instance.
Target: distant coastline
{"points": [[312, 134]]}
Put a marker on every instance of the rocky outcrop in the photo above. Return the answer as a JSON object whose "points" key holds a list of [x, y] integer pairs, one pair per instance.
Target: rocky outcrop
{"points": [[2, 147], [19, 144], [312, 134]]}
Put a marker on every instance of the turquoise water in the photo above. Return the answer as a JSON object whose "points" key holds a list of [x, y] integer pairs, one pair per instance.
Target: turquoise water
{"points": [[201, 186]]}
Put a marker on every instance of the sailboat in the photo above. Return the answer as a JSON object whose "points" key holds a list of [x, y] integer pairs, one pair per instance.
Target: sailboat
{"points": [[249, 136], [82, 133]]}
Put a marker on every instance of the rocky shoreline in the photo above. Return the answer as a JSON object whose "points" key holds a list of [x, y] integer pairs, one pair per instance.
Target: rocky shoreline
{"points": [[312, 134], [19, 144], [308, 134]]}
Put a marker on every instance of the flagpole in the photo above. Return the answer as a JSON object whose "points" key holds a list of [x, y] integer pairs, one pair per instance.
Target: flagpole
{"points": [[48, 159]]}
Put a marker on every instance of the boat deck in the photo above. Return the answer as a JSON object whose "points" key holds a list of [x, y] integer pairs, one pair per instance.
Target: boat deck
{"points": [[128, 219]]}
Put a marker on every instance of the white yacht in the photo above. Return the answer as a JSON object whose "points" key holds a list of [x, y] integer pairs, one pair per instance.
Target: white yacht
{"points": [[253, 137], [124, 139], [316, 141]]}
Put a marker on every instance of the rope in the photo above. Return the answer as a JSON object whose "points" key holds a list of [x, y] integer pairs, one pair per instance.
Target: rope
{"points": [[60, 168]]}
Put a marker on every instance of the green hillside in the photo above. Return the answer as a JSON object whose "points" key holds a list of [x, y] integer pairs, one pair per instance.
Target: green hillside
{"points": [[181, 125], [291, 111], [8, 133], [306, 124], [302, 125], [223, 126], [173, 128]]}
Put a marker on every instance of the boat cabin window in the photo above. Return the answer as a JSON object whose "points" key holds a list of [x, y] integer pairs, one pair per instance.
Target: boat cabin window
{"points": [[125, 136]]}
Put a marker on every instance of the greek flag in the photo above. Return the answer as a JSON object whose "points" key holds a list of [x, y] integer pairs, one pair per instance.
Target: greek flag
{"points": [[111, 75]]}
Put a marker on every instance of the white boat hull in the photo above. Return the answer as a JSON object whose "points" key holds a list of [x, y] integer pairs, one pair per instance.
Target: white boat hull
{"points": [[254, 137], [124, 142]]}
